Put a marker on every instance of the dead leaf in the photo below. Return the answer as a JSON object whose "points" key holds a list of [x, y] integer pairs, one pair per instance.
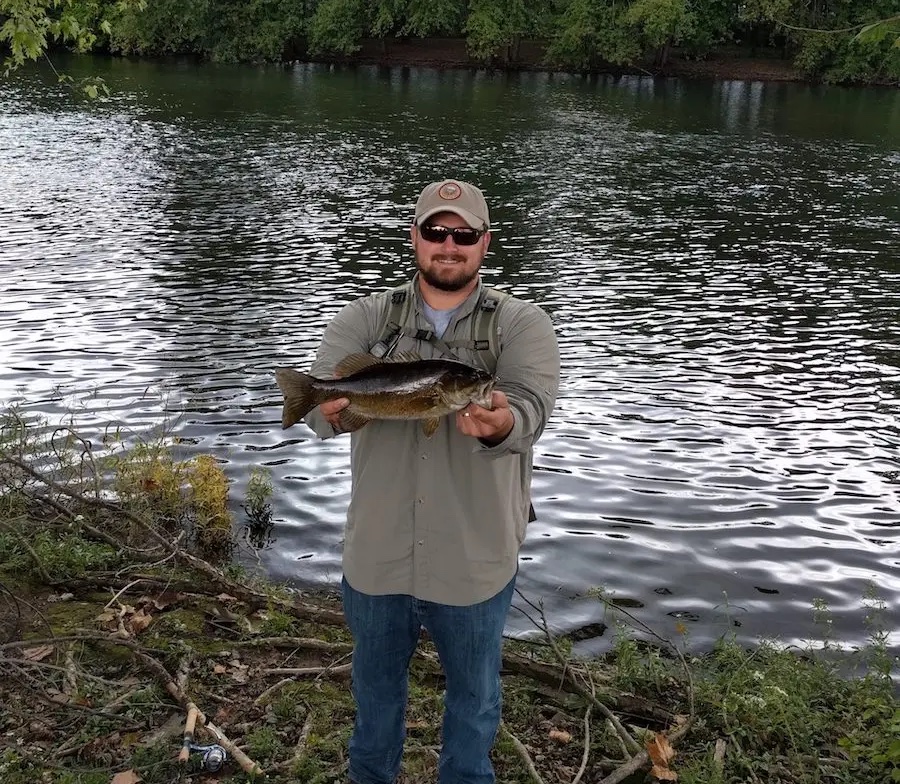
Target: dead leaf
{"points": [[219, 669], [38, 654], [661, 754], [140, 621], [560, 736], [126, 777], [166, 599], [224, 597]]}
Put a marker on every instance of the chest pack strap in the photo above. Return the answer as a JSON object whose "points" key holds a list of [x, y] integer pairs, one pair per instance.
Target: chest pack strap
{"points": [[485, 335]]}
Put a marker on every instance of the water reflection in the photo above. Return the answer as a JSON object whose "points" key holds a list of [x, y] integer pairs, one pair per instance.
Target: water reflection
{"points": [[719, 260]]}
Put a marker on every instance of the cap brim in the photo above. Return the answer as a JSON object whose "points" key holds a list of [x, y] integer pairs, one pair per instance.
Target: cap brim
{"points": [[473, 220]]}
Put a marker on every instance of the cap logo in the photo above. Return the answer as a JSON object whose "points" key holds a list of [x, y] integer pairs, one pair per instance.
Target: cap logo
{"points": [[450, 191]]}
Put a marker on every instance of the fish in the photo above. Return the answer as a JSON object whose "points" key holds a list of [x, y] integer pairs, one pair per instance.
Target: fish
{"points": [[401, 387]]}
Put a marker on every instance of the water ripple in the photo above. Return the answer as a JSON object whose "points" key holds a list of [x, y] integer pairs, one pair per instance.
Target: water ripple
{"points": [[720, 268]]}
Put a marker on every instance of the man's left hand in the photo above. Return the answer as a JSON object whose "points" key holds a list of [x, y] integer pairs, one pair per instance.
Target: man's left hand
{"points": [[491, 425]]}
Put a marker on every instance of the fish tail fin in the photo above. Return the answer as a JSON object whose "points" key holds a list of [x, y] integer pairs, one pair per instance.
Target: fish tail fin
{"points": [[299, 395]]}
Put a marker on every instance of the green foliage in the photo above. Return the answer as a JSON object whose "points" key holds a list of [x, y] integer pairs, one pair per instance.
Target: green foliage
{"points": [[660, 22], [30, 26], [337, 26], [497, 25], [258, 496], [433, 17], [591, 32], [264, 744], [852, 41], [61, 555], [277, 624]]}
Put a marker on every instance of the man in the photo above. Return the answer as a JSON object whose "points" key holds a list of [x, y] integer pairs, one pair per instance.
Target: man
{"points": [[434, 524]]}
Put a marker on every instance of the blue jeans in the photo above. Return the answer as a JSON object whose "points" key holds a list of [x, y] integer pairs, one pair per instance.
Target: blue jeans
{"points": [[469, 643]]}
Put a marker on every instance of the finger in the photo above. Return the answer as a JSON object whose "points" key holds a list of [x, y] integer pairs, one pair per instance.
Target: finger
{"points": [[334, 406], [499, 400]]}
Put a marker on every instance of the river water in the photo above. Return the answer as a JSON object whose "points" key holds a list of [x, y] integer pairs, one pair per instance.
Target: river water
{"points": [[721, 261]]}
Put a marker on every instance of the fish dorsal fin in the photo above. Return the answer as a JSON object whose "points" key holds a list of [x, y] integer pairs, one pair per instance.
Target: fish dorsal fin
{"points": [[353, 363]]}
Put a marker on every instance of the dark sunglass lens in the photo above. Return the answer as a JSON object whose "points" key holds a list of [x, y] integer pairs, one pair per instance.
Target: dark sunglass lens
{"points": [[465, 236], [434, 233], [461, 235]]}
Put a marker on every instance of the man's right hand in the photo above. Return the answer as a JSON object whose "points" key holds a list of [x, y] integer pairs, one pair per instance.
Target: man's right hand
{"points": [[331, 410]]}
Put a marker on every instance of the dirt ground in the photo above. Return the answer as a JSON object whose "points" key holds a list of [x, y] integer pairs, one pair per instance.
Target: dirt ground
{"points": [[89, 700]]}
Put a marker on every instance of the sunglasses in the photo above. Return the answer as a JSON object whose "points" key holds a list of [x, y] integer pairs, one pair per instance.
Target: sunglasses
{"points": [[462, 235]]}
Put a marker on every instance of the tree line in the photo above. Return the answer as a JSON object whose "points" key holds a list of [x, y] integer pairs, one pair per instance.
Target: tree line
{"points": [[834, 40]]}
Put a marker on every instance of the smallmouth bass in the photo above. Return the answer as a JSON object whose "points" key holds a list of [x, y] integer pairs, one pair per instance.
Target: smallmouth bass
{"points": [[400, 387]]}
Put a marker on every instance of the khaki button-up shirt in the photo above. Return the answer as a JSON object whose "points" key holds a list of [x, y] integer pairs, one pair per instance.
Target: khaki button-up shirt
{"points": [[442, 518]]}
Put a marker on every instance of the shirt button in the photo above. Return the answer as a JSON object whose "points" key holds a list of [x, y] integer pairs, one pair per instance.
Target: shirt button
{"points": [[424, 457], [421, 542]]}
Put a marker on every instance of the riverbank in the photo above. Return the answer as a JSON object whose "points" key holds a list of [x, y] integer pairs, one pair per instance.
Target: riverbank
{"points": [[126, 622], [727, 63]]}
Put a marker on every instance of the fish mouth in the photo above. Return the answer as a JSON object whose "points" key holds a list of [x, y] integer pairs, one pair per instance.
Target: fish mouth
{"points": [[485, 394]]}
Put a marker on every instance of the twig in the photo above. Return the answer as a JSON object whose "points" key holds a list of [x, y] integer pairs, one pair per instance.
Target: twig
{"points": [[719, 755], [300, 747], [309, 643], [99, 502], [47, 666], [119, 593], [327, 670], [587, 737], [641, 759], [523, 753], [630, 742], [668, 643], [71, 685], [263, 698], [38, 564]]}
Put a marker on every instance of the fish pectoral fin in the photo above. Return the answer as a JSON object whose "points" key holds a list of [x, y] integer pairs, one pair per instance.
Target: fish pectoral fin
{"points": [[430, 425], [351, 420]]}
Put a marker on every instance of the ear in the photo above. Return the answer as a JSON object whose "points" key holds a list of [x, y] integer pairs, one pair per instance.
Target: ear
{"points": [[414, 235], [487, 240]]}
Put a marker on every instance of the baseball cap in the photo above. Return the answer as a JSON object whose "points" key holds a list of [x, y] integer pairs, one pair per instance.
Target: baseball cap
{"points": [[455, 196]]}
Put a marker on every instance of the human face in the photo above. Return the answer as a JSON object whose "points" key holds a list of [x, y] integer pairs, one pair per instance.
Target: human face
{"points": [[447, 266]]}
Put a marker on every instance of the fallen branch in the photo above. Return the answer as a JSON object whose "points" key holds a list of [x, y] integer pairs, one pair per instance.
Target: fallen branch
{"points": [[523, 753], [642, 759], [307, 643], [299, 747], [341, 669]]}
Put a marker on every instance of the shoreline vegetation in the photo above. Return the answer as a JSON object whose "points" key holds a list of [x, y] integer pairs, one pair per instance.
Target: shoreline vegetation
{"points": [[854, 42], [126, 628]]}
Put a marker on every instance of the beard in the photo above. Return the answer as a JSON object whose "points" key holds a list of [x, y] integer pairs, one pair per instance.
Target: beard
{"points": [[447, 278]]}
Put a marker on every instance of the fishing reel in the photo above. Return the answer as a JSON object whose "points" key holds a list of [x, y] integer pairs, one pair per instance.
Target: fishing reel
{"points": [[214, 756]]}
